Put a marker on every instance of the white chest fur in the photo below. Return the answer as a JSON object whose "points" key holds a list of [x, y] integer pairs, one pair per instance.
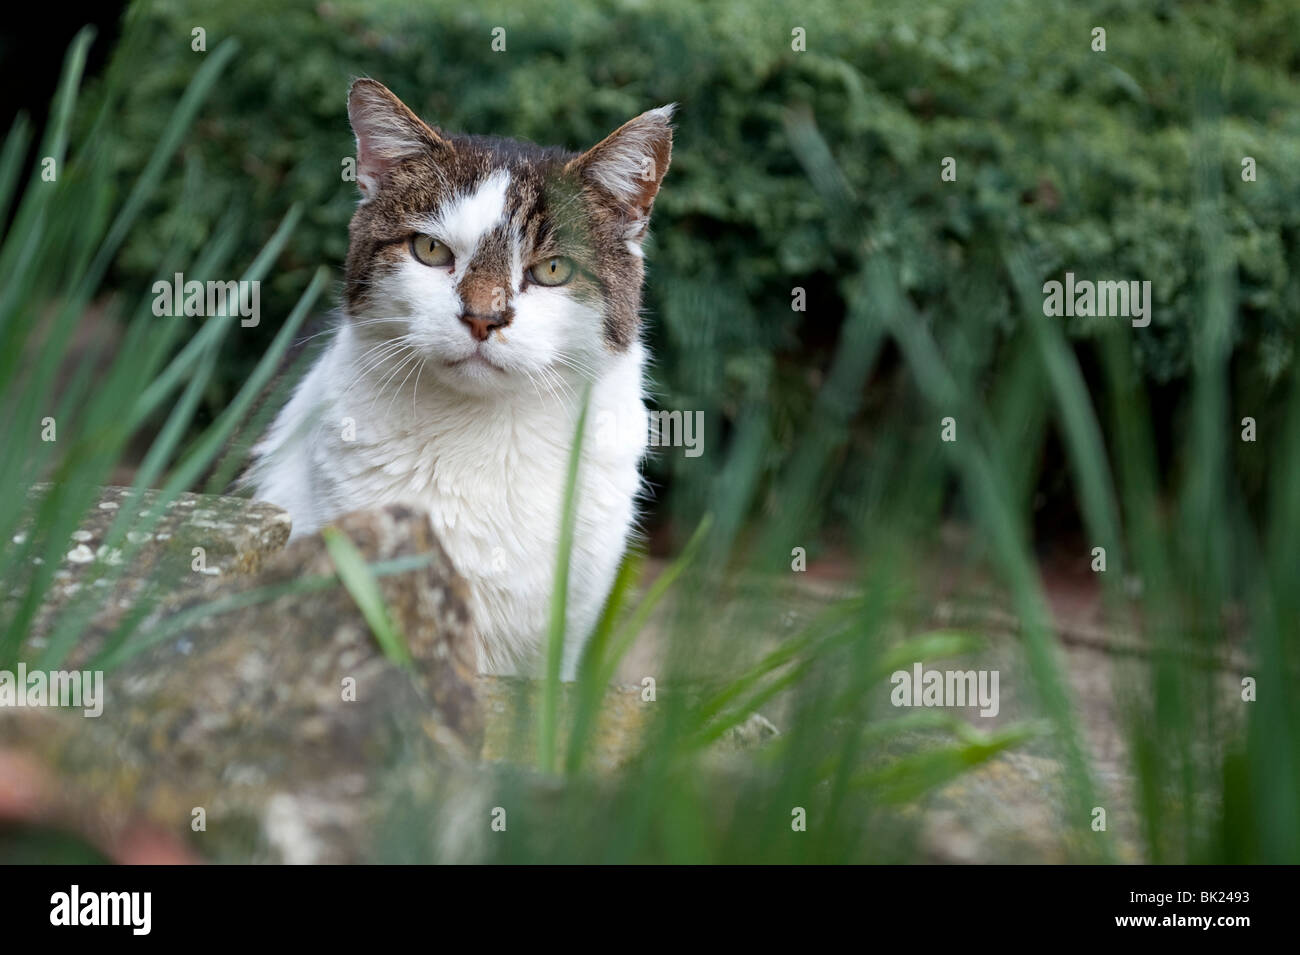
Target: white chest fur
{"points": [[490, 473]]}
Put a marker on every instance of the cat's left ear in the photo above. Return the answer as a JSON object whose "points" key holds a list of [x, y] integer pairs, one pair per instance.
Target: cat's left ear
{"points": [[628, 165], [387, 132]]}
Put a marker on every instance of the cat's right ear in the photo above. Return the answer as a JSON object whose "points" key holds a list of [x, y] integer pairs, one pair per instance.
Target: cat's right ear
{"points": [[387, 133], [628, 165]]}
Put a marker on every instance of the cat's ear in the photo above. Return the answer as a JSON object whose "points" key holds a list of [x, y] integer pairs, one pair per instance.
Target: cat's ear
{"points": [[387, 132], [628, 165]]}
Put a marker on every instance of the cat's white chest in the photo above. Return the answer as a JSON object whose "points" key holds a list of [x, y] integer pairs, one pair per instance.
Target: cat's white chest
{"points": [[494, 493], [492, 478]]}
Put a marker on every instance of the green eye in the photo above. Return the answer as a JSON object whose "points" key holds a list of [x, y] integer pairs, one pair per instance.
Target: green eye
{"points": [[430, 251], [553, 271]]}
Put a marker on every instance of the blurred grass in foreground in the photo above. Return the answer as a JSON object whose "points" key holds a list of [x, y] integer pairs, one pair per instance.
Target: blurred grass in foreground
{"points": [[1210, 786]]}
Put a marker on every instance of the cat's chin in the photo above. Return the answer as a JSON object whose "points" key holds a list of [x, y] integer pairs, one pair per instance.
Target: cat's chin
{"points": [[476, 375], [474, 362]]}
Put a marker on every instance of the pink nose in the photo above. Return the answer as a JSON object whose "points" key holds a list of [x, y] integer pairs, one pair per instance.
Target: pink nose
{"points": [[481, 326]]}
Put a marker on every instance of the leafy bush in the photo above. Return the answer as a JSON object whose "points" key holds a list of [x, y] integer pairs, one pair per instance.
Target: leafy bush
{"points": [[1084, 159]]}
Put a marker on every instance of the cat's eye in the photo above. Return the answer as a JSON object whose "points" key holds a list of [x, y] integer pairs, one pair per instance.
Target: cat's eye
{"points": [[430, 251], [556, 270]]}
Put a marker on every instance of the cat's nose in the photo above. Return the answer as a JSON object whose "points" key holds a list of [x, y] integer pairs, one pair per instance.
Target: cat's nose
{"points": [[481, 326]]}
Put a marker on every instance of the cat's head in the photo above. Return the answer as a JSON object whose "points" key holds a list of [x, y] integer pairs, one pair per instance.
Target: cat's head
{"points": [[501, 263]]}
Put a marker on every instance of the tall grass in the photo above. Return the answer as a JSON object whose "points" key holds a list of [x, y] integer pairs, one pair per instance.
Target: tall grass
{"points": [[1214, 774], [72, 422], [1215, 778]]}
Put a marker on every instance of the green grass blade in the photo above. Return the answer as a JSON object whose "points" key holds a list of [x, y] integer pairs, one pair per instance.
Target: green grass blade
{"points": [[364, 588], [548, 712]]}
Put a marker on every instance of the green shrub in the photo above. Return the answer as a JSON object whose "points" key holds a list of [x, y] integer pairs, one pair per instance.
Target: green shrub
{"points": [[1084, 158]]}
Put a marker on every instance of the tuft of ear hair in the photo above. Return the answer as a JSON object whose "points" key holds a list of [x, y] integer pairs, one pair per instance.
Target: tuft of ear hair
{"points": [[387, 132], [629, 164]]}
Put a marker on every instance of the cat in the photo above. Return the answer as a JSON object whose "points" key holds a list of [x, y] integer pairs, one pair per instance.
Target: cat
{"points": [[489, 285]]}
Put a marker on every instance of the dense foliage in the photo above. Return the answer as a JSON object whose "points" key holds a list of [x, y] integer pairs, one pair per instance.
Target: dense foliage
{"points": [[1083, 159]]}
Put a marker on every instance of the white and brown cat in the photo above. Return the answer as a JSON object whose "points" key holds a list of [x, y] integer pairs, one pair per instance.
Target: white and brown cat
{"points": [[489, 282]]}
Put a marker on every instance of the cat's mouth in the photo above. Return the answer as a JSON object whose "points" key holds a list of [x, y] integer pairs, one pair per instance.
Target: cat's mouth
{"points": [[475, 358]]}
